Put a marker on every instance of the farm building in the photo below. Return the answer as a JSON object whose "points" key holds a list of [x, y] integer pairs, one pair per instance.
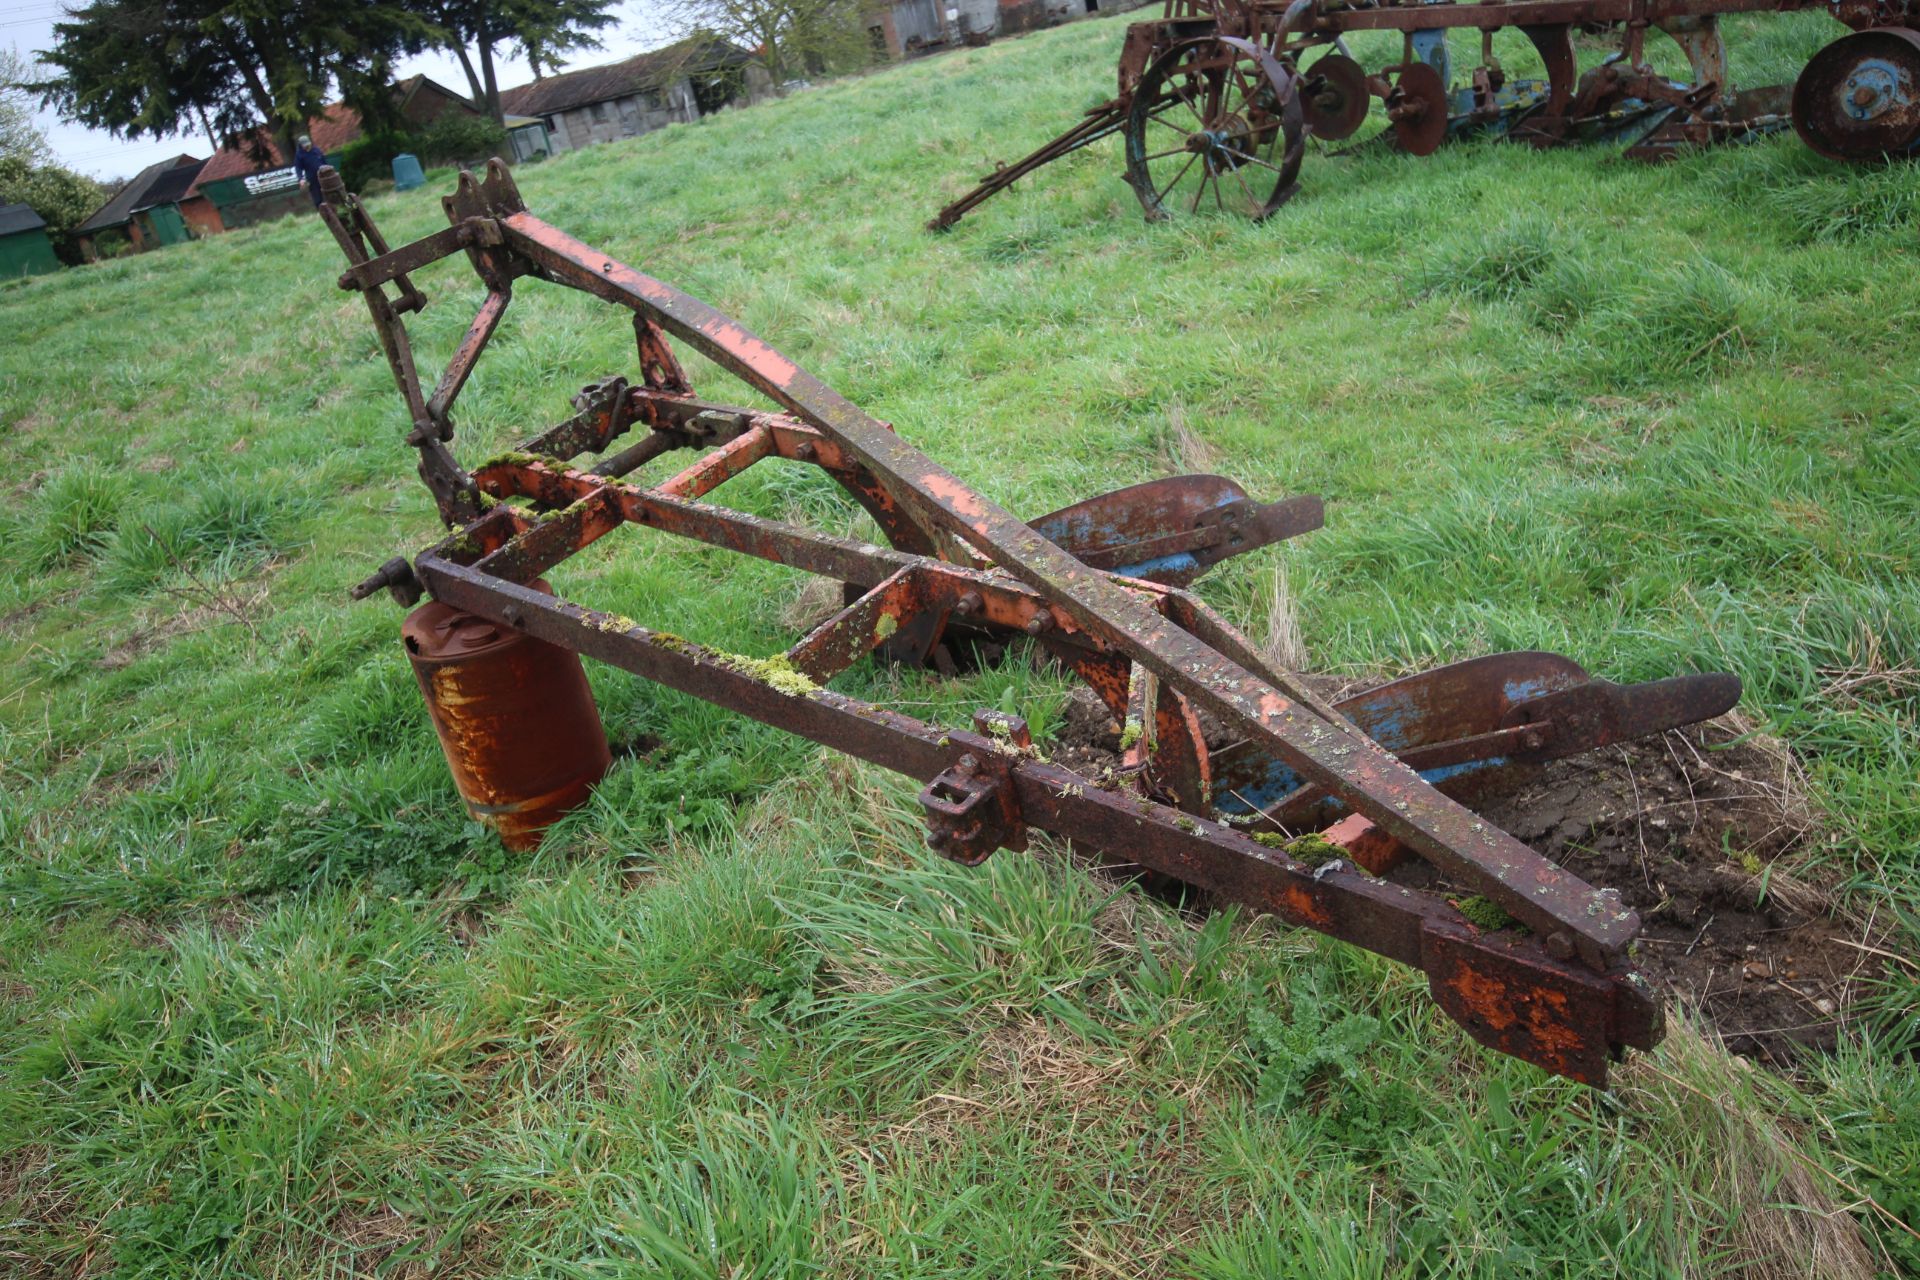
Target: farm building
{"points": [[684, 81], [907, 28], [24, 247], [250, 181], [147, 212]]}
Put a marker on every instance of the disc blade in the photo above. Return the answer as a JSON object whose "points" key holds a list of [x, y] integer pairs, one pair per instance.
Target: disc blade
{"points": [[1423, 100], [1334, 97]]}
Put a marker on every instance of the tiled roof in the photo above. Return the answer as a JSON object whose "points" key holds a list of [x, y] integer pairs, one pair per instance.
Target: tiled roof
{"points": [[161, 183], [15, 218], [339, 125], [619, 79], [333, 130]]}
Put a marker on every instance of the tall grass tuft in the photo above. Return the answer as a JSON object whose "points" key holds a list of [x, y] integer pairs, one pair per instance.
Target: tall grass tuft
{"points": [[74, 514], [1497, 265], [227, 525]]}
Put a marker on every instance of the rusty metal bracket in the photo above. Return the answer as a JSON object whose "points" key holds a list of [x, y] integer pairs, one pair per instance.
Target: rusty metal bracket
{"points": [[1224, 747], [973, 808]]}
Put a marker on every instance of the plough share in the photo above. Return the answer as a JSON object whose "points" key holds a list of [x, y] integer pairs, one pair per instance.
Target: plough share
{"points": [[1217, 98], [1099, 588]]}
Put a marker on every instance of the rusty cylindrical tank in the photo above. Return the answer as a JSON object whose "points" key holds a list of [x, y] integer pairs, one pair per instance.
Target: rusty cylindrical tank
{"points": [[515, 718]]}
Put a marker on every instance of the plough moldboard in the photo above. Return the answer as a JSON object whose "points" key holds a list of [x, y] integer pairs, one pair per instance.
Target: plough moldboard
{"points": [[1217, 98], [1100, 588]]}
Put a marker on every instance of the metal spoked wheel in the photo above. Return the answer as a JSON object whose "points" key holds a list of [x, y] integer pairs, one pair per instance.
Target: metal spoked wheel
{"points": [[1216, 123]]}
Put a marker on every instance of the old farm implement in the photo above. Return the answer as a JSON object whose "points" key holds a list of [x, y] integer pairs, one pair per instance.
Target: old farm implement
{"points": [[1224, 758], [1218, 97]]}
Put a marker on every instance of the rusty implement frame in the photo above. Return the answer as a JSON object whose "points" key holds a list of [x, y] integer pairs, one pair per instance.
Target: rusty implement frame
{"points": [[1217, 98], [1098, 587]]}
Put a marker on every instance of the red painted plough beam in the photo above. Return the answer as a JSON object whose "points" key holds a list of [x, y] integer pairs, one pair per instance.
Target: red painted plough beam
{"points": [[1099, 587]]}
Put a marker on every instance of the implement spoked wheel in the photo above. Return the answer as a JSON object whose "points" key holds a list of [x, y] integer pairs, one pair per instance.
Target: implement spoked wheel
{"points": [[1216, 122]]}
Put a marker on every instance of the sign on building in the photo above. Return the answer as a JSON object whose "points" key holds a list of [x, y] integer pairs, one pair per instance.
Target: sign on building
{"points": [[259, 184]]}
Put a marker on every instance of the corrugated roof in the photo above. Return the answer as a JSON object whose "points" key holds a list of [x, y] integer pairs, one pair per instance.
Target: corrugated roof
{"points": [[637, 74], [164, 182], [15, 218]]}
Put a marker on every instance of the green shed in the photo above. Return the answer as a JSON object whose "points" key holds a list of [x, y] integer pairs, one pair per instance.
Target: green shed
{"points": [[146, 211], [24, 247]]}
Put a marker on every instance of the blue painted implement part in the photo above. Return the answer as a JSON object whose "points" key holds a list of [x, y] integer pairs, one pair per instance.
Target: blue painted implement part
{"points": [[1173, 530], [1476, 726]]}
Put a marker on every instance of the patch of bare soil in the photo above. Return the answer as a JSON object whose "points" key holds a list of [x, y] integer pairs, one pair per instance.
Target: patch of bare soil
{"points": [[1705, 832], [48, 1235], [369, 1237], [147, 638], [17, 619]]}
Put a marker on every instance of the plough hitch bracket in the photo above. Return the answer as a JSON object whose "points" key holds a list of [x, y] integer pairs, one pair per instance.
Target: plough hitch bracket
{"points": [[973, 807]]}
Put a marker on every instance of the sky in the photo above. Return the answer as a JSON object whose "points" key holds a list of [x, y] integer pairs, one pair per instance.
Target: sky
{"points": [[27, 25]]}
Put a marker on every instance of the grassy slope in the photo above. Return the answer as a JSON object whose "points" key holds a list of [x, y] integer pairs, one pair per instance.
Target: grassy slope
{"points": [[274, 1007]]}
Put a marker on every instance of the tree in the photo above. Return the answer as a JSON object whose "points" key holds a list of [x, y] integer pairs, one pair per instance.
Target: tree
{"points": [[62, 198], [547, 32], [790, 39], [152, 67], [28, 175], [19, 136], [543, 29]]}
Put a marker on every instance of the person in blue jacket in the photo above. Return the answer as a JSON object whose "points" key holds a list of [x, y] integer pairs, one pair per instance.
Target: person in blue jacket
{"points": [[306, 166]]}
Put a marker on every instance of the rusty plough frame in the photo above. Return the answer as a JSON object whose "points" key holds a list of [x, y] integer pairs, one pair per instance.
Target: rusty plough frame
{"points": [[1098, 587]]}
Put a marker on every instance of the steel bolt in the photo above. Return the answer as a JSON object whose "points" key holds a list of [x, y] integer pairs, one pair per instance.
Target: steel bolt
{"points": [[1039, 624], [804, 451], [1532, 741], [967, 765], [1560, 946], [968, 604]]}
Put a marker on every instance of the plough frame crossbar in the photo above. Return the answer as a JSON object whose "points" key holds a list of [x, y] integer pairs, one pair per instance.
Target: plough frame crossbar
{"points": [[1555, 991]]}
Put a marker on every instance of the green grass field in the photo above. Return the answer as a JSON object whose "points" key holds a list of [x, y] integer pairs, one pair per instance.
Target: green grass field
{"points": [[273, 1006]]}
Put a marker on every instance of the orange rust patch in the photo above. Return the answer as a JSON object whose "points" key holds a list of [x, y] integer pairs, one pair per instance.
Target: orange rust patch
{"points": [[752, 352], [1552, 1027], [1366, 844], [1301, 904], [1272, 704], [961, 499], [1488, 997]]}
